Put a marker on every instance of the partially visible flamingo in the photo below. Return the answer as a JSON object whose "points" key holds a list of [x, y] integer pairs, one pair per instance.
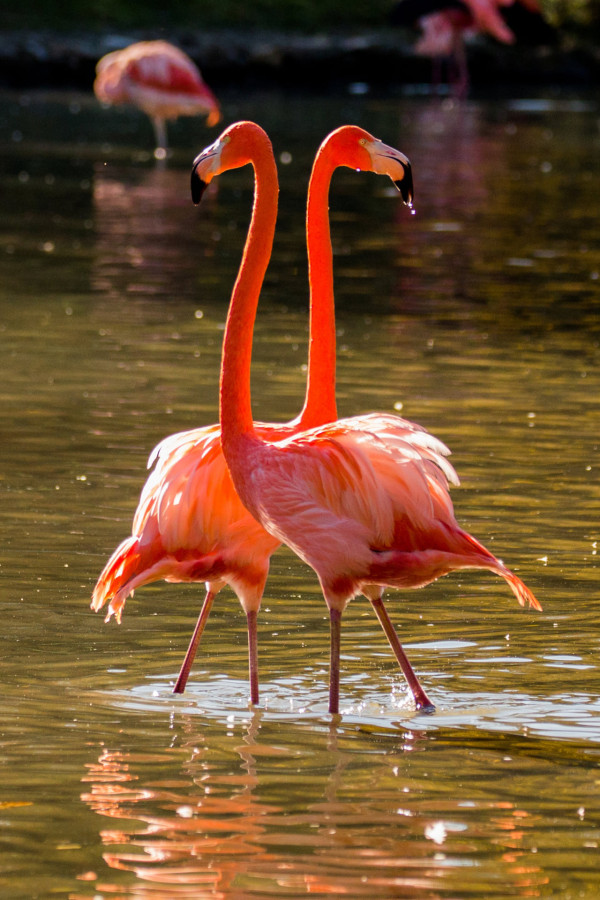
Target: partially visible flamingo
{"points": [[445, 25], [161, 80], [364, 501], [189, 524]]}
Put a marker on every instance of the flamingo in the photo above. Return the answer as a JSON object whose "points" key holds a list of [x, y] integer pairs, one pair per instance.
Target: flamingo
{"points": [[364, 501], [189, 524], [446, 23], [158, 78]]}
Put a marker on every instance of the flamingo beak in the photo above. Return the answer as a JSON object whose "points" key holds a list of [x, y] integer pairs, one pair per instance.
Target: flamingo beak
{"points": [[206, 165], [388, 161]]}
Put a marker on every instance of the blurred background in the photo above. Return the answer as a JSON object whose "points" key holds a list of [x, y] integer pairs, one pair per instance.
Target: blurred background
{"points": [[304, 42]]}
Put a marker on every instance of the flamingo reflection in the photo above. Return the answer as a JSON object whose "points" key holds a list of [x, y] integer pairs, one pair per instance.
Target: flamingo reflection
{"points": [[283, 814], [144, 234], [194, 836], [474, 177]]}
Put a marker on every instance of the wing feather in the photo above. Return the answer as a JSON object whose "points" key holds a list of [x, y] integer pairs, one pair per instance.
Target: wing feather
{"points": [[354, 486]]}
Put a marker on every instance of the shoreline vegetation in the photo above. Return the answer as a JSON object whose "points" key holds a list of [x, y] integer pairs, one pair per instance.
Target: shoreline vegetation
{"points": [[292, 44]]}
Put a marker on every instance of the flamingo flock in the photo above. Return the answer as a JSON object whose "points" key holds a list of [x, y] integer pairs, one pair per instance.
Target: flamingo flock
{"points": [[162, 80], [364, 501]]}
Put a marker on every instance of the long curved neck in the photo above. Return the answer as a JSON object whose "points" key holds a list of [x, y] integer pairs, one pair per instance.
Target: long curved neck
{"points": [[319, 404], [235, 400]]}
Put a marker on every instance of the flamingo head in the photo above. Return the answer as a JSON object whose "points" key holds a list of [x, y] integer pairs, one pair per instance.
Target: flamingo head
{"points": [[354, 147], [237, 146]]}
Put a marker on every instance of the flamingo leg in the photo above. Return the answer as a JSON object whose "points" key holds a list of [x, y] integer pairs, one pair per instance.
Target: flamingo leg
{"points": [[335, 623], [252, 656], [422, 701], [461, 74], [191, 651], [160, 135]]}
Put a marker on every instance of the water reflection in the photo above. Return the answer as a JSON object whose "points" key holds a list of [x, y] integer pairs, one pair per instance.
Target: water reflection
{"points": [[478, 318], [142, 225], [495, 192], [301, 815], [202, 829]]}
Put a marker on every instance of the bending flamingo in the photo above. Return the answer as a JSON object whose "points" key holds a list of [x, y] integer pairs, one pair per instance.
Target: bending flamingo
{"points": [[158, 78], [364, 501], [190, 524], [445, 25]]}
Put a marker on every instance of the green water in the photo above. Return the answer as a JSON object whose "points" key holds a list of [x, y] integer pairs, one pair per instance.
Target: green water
{"points": [[478, 318]]}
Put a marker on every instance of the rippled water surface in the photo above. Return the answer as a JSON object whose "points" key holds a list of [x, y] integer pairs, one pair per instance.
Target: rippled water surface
{"points": [[478, 318]]}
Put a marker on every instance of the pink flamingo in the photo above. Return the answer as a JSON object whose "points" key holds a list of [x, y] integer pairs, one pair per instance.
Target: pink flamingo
{"points": [[446, 23], [364, 501], [158, 78], [189, 524]]}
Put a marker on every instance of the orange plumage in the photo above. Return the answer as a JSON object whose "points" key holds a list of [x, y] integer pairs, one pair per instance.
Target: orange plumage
{"points": [[363, 501], [190, 525]]}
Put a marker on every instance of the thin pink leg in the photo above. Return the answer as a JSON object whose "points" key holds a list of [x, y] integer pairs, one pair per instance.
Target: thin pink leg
{"points": [[252, 656], [191, 651], [335, 623], [422, 701]]}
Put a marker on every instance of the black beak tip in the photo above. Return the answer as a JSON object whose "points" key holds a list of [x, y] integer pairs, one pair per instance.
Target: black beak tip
{"points": [[405, 186], [198, 187]]}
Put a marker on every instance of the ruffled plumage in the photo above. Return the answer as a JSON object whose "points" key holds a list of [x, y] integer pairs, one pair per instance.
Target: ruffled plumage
{"points": [[368, 497]]}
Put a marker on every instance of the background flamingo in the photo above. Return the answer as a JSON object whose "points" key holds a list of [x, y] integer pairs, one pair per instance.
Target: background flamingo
{"points": [[364, 501], [161, 80], [190, 524], [445, 24]]}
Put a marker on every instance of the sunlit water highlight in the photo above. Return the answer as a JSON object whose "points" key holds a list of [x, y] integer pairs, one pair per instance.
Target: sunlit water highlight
{"points": [[477, 317]]}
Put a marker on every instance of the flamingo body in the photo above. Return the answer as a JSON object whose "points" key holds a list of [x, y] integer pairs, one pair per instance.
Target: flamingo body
{"points": [[190, 525], [158, 78], [364, 501], [446, 24]]}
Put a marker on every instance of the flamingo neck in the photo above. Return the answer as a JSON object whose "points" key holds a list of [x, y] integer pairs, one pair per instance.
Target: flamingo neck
{"points": [[235, 399], [319, 404]]}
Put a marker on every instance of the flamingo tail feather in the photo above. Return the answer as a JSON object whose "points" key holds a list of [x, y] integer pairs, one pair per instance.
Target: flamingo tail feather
{"points": [[116, 581]]}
